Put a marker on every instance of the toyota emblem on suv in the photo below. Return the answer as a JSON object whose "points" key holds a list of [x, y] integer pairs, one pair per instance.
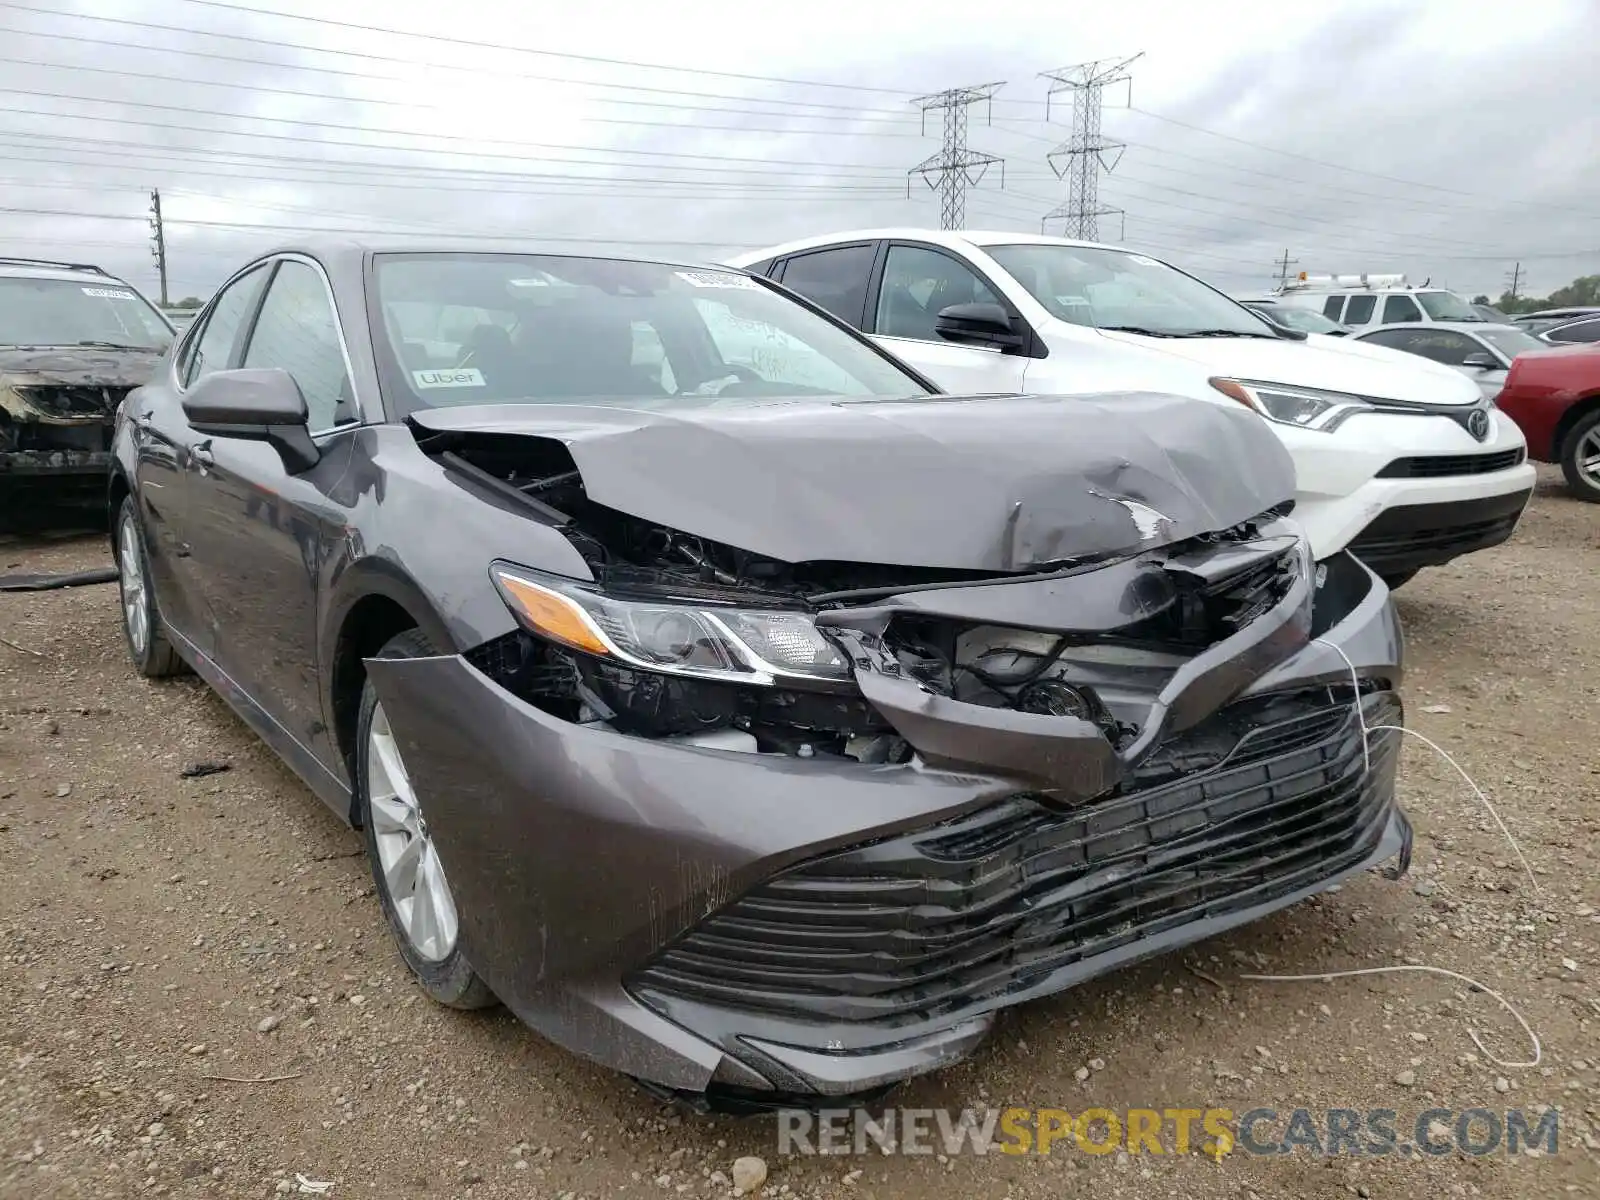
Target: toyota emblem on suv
{"points": [[1478, 424]]}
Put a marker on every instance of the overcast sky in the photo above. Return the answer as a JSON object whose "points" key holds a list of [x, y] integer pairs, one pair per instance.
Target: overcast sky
{"points": [[1444, 139]]}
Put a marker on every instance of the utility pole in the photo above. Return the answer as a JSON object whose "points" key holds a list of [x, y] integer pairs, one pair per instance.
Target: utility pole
{"points": [[953, 167], [1085, 151], [1515, 280], [158, 241], [1283, 265]]}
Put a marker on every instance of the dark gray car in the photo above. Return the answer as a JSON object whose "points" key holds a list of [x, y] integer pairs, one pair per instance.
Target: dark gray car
{"points": [[738, 710]]}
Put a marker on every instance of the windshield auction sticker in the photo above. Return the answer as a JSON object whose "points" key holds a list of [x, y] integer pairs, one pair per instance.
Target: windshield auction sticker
{"points": [[107, 293], [453, 378], [718, 279]]}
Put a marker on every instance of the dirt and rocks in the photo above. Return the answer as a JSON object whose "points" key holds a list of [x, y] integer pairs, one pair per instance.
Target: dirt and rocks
{"points": [[198, 995]]}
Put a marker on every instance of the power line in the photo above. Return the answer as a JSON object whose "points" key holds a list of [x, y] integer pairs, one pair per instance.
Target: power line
{"points": [[953, 166], [871, 168], [124, 73], [428, 149], [1085, 150], [1323, 162], [329, 23], [478, 70]]}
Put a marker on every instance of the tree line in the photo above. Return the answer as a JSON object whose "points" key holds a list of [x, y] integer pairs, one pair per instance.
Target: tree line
{"points": [[1584, 290]]}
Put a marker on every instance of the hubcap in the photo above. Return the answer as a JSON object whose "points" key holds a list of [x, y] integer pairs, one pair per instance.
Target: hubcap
{"points": [[1589, 456], [411, 868], [135, 598]]}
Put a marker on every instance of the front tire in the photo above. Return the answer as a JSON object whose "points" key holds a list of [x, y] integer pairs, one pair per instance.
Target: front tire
{"points": [[410, 879], [152, 654], [1580, 458]]}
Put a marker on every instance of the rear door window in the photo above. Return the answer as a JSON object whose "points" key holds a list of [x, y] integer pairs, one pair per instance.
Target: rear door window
{"points": [[1332, 307], [1582, 331], [835, 278], [1359, 310]]}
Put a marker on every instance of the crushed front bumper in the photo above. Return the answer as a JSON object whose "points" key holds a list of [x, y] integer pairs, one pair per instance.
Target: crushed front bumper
{"points": [[770, 927]]}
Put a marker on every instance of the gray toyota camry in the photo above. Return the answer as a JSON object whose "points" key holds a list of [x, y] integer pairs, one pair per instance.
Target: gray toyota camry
{"points": [[709, 689]]}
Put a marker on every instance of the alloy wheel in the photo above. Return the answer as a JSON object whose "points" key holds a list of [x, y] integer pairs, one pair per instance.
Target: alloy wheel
{"points": [[412, 872], [135, 592], [1588, 456]]}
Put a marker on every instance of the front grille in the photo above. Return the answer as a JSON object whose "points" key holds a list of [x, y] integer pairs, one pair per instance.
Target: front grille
{"points": [[75, 401], [1440, 465], [1377, 548], [929, 923]]}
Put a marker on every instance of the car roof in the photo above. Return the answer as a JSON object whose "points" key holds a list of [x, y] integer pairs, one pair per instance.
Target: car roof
{"points": [[952, 239], [1460, 326], [28, 269], [347, 254]]}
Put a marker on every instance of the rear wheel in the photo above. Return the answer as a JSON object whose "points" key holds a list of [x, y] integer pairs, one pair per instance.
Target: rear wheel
{"points": [[153, 656], [410, 879], [1580, 458]]}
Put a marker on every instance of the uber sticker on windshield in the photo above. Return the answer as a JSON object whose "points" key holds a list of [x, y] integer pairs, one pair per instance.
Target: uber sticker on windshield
{"points": [[718, 279], [108, 293], [455, 377]]}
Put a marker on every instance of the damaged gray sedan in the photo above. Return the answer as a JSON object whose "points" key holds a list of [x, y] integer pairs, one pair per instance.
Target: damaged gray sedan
{"points": [[738, 710]]}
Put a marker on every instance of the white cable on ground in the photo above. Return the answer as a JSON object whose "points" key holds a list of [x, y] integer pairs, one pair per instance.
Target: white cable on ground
{"points": [[1367, 731], [1538, 1050]]}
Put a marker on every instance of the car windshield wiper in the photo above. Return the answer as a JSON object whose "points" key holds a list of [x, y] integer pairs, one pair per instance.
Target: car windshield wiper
{"points": [[1224, 333], [1136, 329], [112, 345]]}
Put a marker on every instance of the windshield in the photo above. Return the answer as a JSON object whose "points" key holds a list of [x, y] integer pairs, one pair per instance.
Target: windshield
{"points": [[1303, 319], [515, 328], [1446, 306], [69, 312], [1115, 289], [1511, 342]]}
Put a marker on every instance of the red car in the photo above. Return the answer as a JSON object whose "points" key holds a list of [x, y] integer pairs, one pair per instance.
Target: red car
{"points": [[1554, 397]]}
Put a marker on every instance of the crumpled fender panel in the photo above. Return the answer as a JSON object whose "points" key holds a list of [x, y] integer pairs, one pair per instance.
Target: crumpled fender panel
{"points": [[575, 853]]}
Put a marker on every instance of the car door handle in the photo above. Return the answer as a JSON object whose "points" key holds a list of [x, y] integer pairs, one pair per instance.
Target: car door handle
{"points": [[200, 456]]}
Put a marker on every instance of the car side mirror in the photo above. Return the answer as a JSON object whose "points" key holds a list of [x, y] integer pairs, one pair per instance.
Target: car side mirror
{"points": [[978, 324], [255, 404], [1481, 361]]}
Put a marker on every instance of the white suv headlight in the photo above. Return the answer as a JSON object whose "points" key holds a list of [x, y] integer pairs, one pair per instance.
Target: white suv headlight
{"points": [[1306, 408]]}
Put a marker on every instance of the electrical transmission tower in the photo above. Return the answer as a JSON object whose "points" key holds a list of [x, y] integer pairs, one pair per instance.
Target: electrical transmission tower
{"points": [[1085, 151], [953, 167]]}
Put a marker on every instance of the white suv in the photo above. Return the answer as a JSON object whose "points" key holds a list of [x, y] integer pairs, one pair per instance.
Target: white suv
{"points": [[1361, 301], [1398, 459]]}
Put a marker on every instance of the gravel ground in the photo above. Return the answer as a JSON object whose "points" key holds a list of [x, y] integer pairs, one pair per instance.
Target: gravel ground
{"points": [[158, 932]]}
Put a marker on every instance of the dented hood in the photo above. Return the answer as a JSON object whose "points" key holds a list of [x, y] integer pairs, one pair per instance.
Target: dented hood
{"points": [[76, 366], [993, 483]]}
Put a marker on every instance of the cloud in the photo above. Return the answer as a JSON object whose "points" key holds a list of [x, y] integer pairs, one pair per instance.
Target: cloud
{"points": [[257, 126]]}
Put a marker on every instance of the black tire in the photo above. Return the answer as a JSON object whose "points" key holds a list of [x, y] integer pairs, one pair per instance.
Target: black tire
{"points": [[154, 658], [1582, 485], [1395, 579], [450, 980]]}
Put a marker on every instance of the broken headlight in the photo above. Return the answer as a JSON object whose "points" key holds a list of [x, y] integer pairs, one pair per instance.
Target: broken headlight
{"points": [[1307, 408], [738, 645]]}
